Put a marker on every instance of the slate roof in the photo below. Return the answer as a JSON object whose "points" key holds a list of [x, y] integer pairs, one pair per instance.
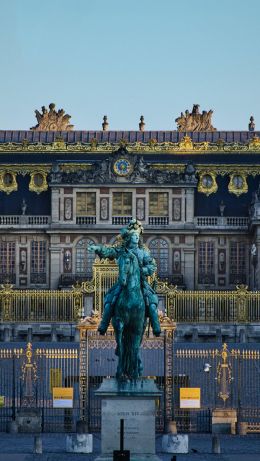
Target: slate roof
{"points": [[130, 136]]}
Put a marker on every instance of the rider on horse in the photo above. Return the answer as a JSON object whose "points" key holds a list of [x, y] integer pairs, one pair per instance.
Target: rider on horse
{"points": [[130, 242]]}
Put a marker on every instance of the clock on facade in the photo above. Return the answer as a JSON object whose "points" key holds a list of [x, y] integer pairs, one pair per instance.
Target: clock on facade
{"points": [[122, 167]]}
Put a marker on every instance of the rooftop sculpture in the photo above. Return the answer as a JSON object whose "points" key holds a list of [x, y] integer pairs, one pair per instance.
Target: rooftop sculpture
{"points": [[52, 120], [195, 121]]}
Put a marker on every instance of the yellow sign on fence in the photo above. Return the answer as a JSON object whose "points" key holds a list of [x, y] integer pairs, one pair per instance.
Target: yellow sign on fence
{"points": [[62, 397], [190, 397], [2, 401]]}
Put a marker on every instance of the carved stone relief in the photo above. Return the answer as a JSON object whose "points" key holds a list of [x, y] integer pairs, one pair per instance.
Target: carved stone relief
{"points": [[67, 260], [176, 209], [68, 215], [104, 208], [176, 261], [23, 261], [140, 209], [222, 261]]}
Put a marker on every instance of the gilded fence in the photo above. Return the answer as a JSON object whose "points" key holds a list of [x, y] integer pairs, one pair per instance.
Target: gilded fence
{"points": [[40, 305], [208, 306]]}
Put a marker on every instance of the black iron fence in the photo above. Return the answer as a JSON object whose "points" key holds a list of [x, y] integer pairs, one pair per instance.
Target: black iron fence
{"points": [[228, 377]]}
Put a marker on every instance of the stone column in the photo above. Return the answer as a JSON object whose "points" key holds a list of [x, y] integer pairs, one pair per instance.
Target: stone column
{"points": [[189, 206], [54, 267], [189, 268], [55, 205]]}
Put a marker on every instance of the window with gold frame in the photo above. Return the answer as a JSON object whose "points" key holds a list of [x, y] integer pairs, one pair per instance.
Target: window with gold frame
{"points": [[86, 203], [122, 203], [158, 204]]}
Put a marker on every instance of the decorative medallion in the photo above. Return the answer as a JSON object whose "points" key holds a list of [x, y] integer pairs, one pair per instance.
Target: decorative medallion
{"points": [[207, 183], [38, 182], [238, 184], [8, 182], [122, 167], [186, 143]]}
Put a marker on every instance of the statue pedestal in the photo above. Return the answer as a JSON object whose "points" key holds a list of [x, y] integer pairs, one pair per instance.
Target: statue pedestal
{"points": [[135, 403], [224, 421]]}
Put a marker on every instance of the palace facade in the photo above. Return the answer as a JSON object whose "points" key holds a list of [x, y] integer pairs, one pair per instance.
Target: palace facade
{"points": [[195, 189]]}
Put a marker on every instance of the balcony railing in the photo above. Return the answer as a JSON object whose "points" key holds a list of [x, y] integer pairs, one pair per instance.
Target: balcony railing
{"points": [[38, 278], [121, 220], [158, 220], [23, 220], [86, 220], [67, 280], [8, 278], [211, 222]]}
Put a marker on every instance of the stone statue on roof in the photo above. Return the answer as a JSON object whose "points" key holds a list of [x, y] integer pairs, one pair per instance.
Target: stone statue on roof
{"points": [[52, 120], [195, 121]]}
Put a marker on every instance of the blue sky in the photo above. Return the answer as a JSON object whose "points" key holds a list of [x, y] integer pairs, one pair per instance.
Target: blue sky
{"points": [[126, 58]]}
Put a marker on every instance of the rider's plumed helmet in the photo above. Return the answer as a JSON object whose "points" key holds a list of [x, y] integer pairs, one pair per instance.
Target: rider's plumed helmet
{"points": [[133, 226]]}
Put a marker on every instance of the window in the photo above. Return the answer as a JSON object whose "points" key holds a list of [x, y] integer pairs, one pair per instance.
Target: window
{"points": [[86, 204], [206, 274], [122, 203], [7, 262], [158, 204], [237, 262], [84, 258], [160, 252], [38, 262]]}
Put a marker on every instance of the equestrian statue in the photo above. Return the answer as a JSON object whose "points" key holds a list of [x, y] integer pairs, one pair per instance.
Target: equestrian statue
{"points": [[131, 301]]}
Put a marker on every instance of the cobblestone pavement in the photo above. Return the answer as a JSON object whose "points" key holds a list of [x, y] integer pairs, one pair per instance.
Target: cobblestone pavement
{"points": [[19, 447]]}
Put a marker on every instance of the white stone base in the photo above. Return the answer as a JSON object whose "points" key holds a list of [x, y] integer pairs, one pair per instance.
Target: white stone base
{"points": [[81, 443], [135, 404], [175, 443]]}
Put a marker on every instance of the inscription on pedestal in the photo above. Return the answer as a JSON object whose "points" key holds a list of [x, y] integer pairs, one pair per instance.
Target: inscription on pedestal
{"points": [[139, 417]]}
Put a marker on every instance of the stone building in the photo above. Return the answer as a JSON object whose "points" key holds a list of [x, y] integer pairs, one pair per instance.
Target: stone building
{"points": [[196, 192]]}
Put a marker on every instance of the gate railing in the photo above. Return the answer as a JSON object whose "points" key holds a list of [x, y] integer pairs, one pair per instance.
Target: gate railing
{"points": [[19, 389], [40, 305], [234, 306]]}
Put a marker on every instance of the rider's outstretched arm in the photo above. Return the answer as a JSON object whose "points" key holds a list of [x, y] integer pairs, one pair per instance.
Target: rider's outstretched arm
{"points": [[103, 251]]}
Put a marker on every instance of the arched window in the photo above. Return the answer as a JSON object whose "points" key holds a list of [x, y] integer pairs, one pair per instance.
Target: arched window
{"points": [[84, 258], [159, 249]]}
